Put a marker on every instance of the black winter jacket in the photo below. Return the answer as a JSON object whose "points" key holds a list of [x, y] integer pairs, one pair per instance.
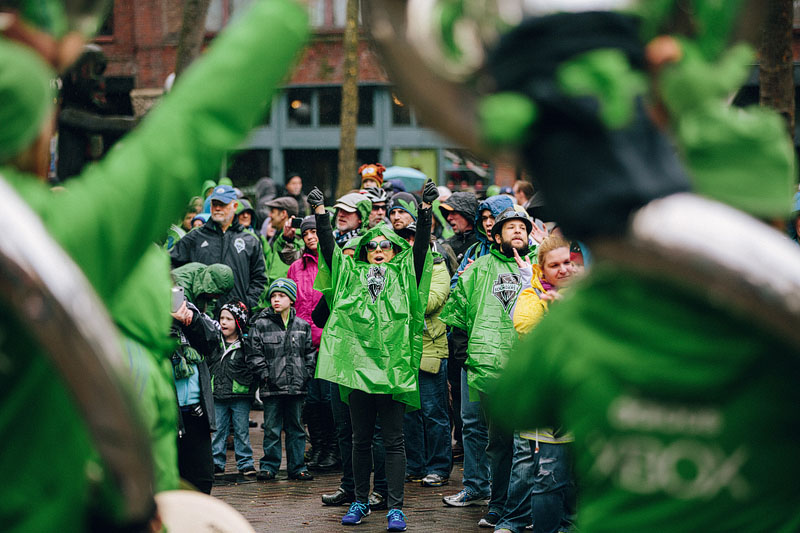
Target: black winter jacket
{"points": [[239, 249], [231, 376], [204, 335], [460, 243], [282, 358]]}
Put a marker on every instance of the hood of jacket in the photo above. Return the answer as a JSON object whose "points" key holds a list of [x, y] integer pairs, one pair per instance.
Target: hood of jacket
{"points": [[197, 279], [496, 205], [464, 203], [208, 184], [381, 229], [364, 209]]}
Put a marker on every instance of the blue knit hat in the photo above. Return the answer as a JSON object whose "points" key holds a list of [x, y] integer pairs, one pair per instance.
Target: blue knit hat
{"points": [[284, 285]]}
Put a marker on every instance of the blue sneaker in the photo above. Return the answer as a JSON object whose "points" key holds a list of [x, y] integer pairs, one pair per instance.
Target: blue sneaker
{"points": [[354, 515], [397, 520]]}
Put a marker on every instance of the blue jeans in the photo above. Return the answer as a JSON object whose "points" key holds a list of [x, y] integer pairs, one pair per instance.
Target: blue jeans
{"points": [[539, 487], [427, 430], [344, 436], [283, 412], [476, 437], [239, 411]]}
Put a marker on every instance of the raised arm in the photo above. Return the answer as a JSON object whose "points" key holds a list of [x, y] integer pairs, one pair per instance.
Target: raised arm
{"points": [[423, 237], [324, 231]]}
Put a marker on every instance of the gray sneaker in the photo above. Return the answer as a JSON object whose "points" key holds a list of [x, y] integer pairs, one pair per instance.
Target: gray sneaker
{"points": [[434, 480], [465, 498], [490, 519]]}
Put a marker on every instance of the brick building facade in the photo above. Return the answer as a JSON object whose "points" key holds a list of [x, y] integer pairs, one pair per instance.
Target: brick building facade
{"points": [[301, 134]]}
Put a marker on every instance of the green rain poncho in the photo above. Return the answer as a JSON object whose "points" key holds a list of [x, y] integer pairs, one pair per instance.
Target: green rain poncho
{"points": [[480, 305], [373, 338]]}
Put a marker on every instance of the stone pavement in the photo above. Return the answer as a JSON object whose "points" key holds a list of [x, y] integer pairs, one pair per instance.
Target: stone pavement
{"points": [[283, 505]]}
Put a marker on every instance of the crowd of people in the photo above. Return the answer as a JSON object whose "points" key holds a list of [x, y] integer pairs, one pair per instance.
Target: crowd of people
{"points": [[401, 331], [366, 333]]}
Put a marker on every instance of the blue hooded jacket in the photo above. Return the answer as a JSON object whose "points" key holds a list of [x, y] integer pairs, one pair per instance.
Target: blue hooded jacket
{"points": [[496, 205]]}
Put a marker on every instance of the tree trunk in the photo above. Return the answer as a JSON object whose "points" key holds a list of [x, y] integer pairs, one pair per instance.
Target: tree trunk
{"points": [[349, 117], [193, 30], [776, 77]]}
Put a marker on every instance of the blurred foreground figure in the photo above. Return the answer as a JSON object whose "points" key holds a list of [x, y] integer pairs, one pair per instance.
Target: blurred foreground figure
{"points": [[67, 463], [675, 362]]}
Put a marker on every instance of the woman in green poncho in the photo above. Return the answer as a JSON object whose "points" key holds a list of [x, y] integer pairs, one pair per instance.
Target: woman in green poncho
{"points": [[372, 341]]}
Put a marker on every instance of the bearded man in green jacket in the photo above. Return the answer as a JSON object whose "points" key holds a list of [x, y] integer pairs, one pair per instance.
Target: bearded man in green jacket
{"points": [[480, 304]]}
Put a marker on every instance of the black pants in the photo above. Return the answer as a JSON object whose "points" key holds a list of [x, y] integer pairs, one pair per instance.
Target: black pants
{"points": [[195, 462], [364, 408]]}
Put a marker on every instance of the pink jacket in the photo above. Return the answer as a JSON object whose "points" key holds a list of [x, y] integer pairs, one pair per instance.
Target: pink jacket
{"points": [[304, 272]]}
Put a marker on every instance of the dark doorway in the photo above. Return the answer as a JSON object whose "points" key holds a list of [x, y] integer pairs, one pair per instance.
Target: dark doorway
{"points": [[319, 168], [248, 166]]}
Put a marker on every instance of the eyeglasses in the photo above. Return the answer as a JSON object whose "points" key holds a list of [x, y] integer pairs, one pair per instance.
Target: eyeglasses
{"points": [[373, 245], [378, 207]]}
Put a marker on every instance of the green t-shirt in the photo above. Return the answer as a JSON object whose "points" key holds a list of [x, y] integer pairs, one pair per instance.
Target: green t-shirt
{"points": [[683, 414]]}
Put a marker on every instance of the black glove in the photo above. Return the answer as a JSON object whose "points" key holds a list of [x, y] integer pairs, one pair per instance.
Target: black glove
{"points": [[315, 198], [430, 192]]}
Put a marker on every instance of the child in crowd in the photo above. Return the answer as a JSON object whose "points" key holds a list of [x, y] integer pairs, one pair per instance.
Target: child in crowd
{"points": [[232, 383], [281, 353]]}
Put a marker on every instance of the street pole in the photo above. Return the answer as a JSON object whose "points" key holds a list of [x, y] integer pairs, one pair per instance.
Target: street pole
{"points": [[193, 30], [776, 61], [349, 117]]}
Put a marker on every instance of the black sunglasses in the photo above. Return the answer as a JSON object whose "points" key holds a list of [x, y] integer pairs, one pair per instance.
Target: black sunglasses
{"points": [[373, 245]]}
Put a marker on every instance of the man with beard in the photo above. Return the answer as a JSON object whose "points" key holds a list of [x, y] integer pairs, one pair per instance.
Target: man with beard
{"points": [[403, 211], [223, 240], [480, 305]]}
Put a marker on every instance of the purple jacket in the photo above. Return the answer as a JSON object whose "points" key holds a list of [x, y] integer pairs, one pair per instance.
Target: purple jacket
{"points": [[303, 272]]}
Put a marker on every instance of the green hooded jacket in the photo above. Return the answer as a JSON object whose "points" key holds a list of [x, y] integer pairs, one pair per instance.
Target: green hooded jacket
{"points": [[160, 164], [480, 304], [434, 336], [198, 279], [141, 312], [373, 338]]}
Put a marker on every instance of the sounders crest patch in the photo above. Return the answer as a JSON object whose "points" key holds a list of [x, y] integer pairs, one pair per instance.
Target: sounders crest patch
{"points": [[239, 245], [376, 280], [506, 287]]}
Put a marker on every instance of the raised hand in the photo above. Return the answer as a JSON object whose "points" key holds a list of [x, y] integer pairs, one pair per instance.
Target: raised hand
{"points": [[315, 198], [538, 234], [288, 230], [525, 269], [429, 192]]}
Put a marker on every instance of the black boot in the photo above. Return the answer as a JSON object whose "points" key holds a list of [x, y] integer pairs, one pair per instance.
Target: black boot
{"points": [[314, 435], [329, 458]]}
